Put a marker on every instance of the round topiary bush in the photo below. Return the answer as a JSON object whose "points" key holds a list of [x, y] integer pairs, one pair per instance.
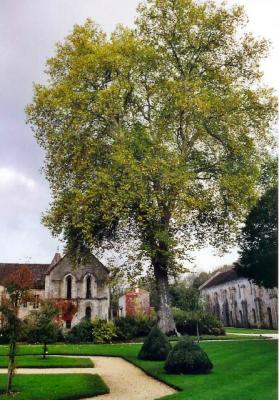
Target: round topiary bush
{"points": [[156, 346], [187, 358]]}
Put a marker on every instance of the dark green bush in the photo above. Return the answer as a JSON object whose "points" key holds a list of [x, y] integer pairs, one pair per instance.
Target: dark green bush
{"points": [[187, 358], [4, 336], [82, 332], [130, 327], [33, 334], [186, 323], [156, 346]]}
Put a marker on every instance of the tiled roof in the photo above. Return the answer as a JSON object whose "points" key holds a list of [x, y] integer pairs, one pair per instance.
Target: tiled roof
{"points": [[38, 272], [220, 278]]}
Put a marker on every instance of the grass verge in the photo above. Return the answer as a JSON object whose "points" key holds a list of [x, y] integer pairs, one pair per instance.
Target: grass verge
{"points": [[36, 349], [54, 387], [49, 362]]}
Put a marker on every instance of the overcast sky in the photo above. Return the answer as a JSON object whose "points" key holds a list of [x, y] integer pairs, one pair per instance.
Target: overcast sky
{"points": [[28, 31]]}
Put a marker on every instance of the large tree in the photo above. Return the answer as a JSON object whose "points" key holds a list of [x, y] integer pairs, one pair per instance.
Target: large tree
{"points": [[154, 136], [259, 242]]}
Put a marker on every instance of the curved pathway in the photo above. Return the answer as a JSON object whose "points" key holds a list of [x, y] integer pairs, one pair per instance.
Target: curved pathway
{"points": [[124, 380], [265, 335]]}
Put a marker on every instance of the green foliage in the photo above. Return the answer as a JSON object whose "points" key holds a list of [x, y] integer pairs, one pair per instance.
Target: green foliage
{"points": [[156, 346], [103, 331], [34, 332], [185, 298], [258, 242], [156, 140], [187, 357], [208, 324], [82, 332], [130, 327], [40, 326]]}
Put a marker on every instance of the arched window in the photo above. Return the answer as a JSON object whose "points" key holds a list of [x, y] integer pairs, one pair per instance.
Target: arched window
{"points": [[88, 287], [88, 312], [69, 287], [269, 317], [241, 317], [254, 316]]}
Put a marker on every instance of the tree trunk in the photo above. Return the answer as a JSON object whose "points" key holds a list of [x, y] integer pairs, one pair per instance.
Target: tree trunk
{"points": [[164, 313], [11, 367], [45, 350], [198, 333]]}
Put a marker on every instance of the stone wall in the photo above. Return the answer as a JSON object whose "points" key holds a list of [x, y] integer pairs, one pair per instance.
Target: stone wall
{"points": [[240, 303]]}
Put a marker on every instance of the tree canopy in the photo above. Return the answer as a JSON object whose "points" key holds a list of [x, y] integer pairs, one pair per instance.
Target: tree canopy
{"points": [[155, 136], [259, 242]]}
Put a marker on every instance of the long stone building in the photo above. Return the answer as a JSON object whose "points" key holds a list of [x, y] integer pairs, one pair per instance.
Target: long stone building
{"points": [[240, 303], [80, 292]]}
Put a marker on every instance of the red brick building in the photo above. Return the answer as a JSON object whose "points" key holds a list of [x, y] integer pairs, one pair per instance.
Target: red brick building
{"points": [[134, 302]]}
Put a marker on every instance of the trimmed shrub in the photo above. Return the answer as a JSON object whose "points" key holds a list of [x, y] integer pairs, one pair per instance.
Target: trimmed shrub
{"points": [[103, 331], [82, 332], [187, 357], [131, 327], [156, 346], [186, 323]]}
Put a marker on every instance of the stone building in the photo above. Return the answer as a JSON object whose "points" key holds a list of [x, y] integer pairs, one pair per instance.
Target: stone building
{"points": [[134, 302], [240, 303], [84, 288]]}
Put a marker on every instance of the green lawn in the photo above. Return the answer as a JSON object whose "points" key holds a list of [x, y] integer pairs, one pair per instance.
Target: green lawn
{"points": [[49, 362], [243, 370], [245, 330], [54, 387]]}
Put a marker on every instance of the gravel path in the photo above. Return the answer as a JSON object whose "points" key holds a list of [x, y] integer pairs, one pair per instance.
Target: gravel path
{"points": [[266, 335], [125, 381]]}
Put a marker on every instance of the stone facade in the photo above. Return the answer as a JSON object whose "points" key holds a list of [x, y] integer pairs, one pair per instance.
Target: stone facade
{"points": [[84, 287], [240, 303]]}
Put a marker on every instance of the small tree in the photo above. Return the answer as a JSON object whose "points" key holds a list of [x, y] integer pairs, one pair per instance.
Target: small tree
{"points": [[187, 299], [44, 329], [156, 346], [183, 297], [17, 291]]}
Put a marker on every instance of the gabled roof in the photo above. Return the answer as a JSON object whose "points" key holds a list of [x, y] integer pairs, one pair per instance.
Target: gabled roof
{"points": [[38, 272], [57, 260], [220, 277]]}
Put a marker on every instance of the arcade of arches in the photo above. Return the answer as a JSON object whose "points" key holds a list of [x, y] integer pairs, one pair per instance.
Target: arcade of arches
{"points": [[238, 302]]}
